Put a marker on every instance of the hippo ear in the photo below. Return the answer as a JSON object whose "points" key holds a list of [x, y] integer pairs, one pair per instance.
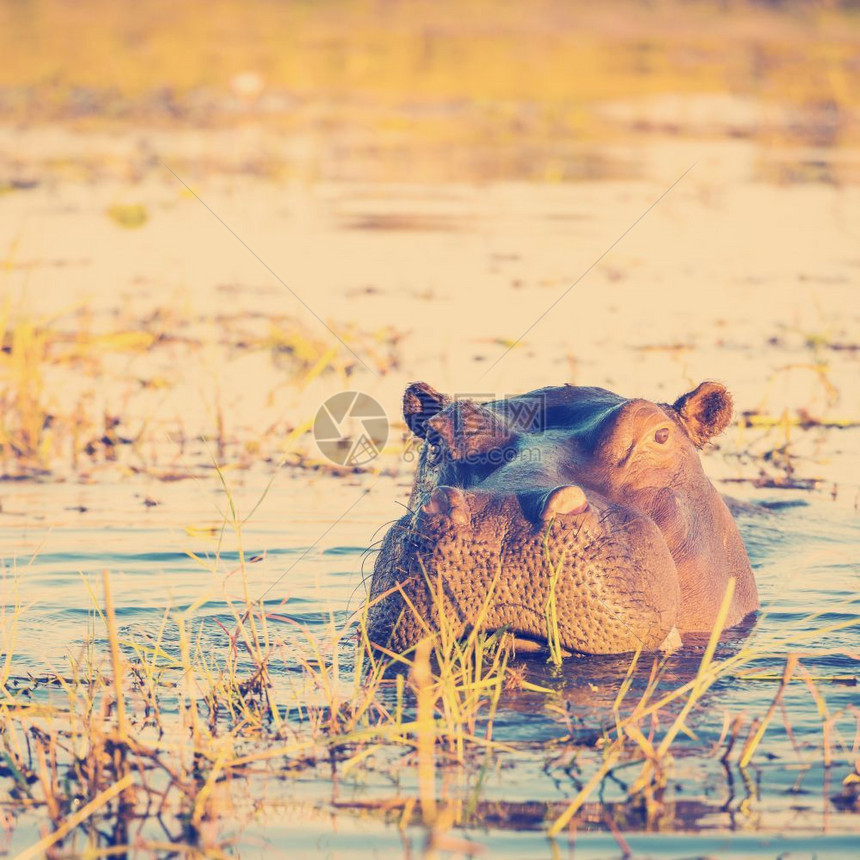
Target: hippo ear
{"points": [[470, 430], [420, 403], [705, 411]]}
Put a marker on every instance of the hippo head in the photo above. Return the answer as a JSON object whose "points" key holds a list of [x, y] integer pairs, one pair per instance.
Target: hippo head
{"points": [[567, 512]]}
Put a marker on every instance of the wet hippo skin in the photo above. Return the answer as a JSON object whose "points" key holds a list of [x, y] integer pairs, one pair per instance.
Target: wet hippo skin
{"points": [[577, 492]]}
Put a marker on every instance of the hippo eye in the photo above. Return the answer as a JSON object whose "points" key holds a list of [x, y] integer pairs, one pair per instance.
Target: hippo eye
{"points": [[661, 436]]}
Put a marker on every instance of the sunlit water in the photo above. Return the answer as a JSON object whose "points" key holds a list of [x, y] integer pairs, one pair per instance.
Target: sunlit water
{"points": [[730, 277], [59, 538]]}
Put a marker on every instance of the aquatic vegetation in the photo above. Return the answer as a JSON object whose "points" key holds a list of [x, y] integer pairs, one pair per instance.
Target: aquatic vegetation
{"points": [[160, 393], [71, 398], [24, 413], [128, 215], [195, 722], [145, 736]]}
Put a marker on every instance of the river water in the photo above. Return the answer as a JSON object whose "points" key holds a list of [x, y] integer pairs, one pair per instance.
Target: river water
{"points": [[729, 276]]}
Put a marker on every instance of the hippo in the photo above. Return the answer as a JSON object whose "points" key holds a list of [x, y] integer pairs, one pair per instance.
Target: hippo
{"points": [[569, 514]]}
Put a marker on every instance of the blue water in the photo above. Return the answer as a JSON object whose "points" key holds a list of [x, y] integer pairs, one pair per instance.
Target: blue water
{"points": [[58, 539]]}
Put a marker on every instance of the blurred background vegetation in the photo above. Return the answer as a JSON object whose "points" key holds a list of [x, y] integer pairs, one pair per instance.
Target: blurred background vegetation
{"points": [[420, 89]]}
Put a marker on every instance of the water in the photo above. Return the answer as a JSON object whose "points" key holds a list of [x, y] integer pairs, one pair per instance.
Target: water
{"points": [[58, 538], [736, 275]]}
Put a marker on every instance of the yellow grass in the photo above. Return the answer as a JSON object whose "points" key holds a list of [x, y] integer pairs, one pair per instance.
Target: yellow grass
{"points": [[358, 59], [42, 432], [444, 715]]}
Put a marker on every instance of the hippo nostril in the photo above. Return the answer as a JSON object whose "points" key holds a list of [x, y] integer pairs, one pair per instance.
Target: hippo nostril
{"points": [[448, 501], [568, 499]]}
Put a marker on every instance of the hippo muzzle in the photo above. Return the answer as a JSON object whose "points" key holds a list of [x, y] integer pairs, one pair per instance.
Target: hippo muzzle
{"points": [[481, 559]]}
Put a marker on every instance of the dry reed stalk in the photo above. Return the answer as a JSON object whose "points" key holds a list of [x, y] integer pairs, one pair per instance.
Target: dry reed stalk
{"points": [[422, 682], [115, 659], [76, 818], [609, 760], [49, 788], [827, 723], [755, 739]]}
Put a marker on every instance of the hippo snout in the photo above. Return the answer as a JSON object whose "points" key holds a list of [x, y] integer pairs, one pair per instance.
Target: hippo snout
{"points": [[494, 560]]}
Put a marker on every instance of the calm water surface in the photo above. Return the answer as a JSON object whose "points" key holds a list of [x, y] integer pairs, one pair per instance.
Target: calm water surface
{"points": [[732, 277], [58, 538]]}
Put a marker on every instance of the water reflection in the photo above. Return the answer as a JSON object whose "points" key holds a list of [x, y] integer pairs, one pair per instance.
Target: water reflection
{"points": [[803, 560]]}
